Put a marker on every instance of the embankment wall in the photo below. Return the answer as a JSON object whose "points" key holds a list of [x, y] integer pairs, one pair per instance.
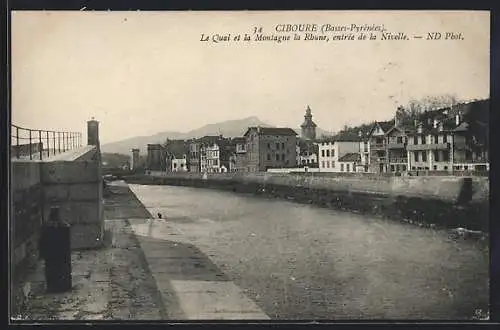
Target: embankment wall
{"points": [[72, 181], [441, 201]]}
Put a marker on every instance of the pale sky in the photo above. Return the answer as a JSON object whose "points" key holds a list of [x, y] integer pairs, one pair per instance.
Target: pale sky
{"points": [[140, 73]]}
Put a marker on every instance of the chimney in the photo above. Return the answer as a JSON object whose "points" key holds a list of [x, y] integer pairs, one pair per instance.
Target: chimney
{"points": [[457, 119], [93, 132]]}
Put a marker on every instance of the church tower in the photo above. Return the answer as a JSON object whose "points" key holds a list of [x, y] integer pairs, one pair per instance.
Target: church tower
{"points": [[308, 126]]}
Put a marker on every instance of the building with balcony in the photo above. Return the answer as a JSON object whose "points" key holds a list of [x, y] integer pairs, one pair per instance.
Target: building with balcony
{"points": [[395, 141], [470, 143], [198, 146], [330, 150], [451, 139], [378, 155], [270, 147], [210, 161], [429, 148]]}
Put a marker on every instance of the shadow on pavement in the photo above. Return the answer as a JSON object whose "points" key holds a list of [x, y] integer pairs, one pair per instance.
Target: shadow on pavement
{"points": [[179, 261]]}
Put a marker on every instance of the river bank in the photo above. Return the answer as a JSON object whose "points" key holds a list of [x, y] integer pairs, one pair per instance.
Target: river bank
{"points": [[426, 201]]}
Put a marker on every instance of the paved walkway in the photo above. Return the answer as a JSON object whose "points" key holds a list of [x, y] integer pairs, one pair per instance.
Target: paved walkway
{"points": [[110, 283], [138, 276]]}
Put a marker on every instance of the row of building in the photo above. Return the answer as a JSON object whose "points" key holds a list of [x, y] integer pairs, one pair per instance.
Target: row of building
{"points": [[448, 139], [443, 140]]}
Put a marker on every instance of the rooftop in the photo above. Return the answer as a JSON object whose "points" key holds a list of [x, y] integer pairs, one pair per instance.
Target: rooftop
{"points": [[272, 131], [350, 157]]}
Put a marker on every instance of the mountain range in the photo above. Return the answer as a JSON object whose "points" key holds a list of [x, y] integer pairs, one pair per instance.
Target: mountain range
{"points": [[229, 128]]}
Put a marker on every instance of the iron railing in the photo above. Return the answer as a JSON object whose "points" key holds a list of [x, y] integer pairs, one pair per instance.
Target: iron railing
{"points": [[37, 144]]}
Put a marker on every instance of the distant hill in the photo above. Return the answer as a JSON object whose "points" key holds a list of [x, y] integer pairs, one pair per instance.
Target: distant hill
{"points": [[229, 128]]}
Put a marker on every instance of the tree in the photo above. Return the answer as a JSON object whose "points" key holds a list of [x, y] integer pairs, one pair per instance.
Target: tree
{"points": [[412, 111]]}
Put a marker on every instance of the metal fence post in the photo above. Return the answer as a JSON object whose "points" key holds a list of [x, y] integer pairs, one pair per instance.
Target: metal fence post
{"points": [[59, 141], [17, 142], [48, 144], [31, 151], [40, 145], [54, 142]]}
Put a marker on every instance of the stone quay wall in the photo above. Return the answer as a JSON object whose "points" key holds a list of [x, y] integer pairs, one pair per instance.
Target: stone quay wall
{"points": [[437, 201]]}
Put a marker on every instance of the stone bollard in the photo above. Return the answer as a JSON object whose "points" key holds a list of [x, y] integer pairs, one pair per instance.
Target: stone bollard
{"points": [[55, 249]]}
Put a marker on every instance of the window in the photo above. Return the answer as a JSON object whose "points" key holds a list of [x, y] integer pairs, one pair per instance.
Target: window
{"points": [[277, 146], [341, 167], [353, 167], [282, 145], [333, 163], [466, 167], [423, 139], [424, 156], [446, 168], [435, 167], [415, 140], [277, 157], [399, 139], [323, 153], [446, 156], [436, 155], [323, 164], [303, 161], [445, 138], [268, 156], [328, 163], [328, 153], [347, 166], [413, 168], [333, 152], [436, 139], [392, 168], [283, 157], [404, 168], [415, 154]]}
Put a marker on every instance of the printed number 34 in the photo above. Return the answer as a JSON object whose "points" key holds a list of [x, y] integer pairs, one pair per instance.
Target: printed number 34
{"points": [[257, 29]]}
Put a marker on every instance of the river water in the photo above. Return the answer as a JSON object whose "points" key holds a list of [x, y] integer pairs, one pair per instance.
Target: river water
{"points": [[305, 262]]}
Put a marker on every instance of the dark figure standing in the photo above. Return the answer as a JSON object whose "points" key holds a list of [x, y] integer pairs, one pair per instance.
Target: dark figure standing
{"points": [[55, 249]]}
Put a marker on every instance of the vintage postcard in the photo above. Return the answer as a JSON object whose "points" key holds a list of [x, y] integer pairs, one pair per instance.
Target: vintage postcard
{"points": [[249, 165]]}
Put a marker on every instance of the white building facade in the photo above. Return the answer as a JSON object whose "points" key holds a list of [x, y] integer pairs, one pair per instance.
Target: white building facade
{"points": [[308, 159], [331, 151], [210, 159], [179, 164]]}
